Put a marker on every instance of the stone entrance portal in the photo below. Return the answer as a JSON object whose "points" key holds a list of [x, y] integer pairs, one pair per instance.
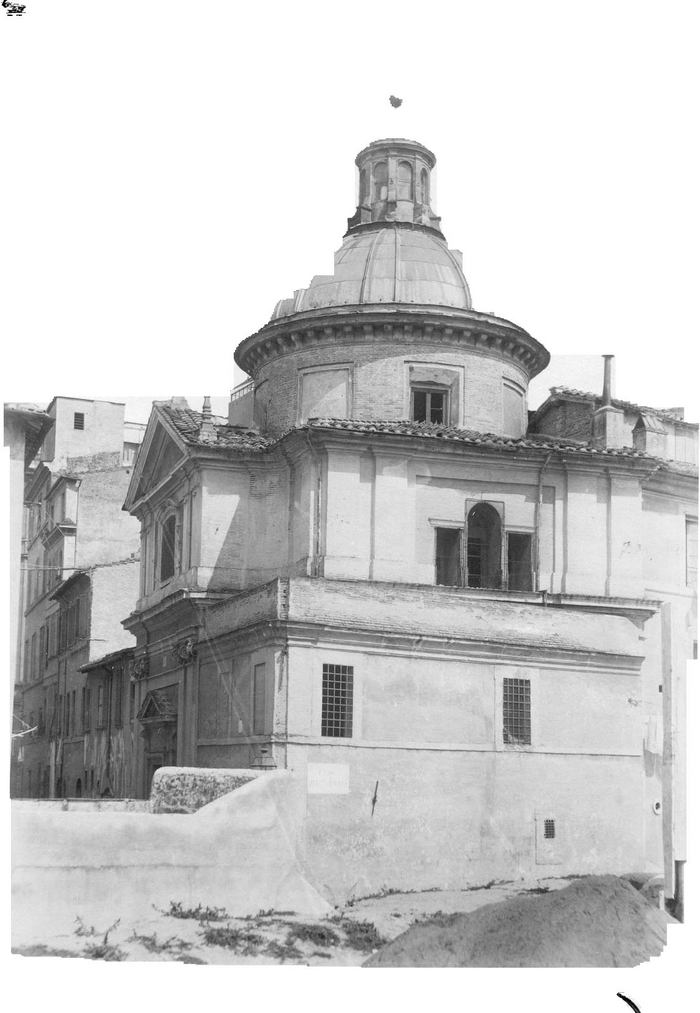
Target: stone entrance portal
{"points": [[158, 716]]}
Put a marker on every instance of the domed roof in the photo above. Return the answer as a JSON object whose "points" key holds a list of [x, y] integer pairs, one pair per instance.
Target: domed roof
{"points": [[390, 262]]}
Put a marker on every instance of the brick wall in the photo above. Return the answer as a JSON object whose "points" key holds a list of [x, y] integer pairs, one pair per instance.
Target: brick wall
{"points": [[380, 388]]}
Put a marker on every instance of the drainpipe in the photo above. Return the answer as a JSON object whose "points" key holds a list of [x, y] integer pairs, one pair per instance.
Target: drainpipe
{"points": [[538, 512]]}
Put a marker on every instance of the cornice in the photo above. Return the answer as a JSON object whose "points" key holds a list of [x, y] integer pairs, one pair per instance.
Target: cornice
{"points": [[398, 324]]}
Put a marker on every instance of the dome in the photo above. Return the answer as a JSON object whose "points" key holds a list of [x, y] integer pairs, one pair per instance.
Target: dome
{"points": [[390, 262]]}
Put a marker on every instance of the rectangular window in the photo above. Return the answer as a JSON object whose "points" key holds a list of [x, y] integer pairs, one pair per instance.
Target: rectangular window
{"points": [[87, 714], [429, 404], [336, 704], [691, 552], [119, 699], [259, 699], [100, 705], [519, 562], [549, 830], [78, 420], [42, 648], [34, 667], [26, 661], [516, 711], [132, 701], [448, 551]]}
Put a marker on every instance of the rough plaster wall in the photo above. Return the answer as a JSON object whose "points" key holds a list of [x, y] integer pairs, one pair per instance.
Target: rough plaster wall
{"points": [[379, 382], [105, 531], [103, 432], [425, 611], [115, 591], [454, 819], [240, 852]]}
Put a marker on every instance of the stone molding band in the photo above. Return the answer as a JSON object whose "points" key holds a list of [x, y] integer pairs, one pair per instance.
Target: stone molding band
{"points": [[473, 332]]}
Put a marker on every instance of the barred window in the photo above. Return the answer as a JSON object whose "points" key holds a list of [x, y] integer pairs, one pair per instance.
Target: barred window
{"points": [[516, 711], [336, 711], [549, 830]]}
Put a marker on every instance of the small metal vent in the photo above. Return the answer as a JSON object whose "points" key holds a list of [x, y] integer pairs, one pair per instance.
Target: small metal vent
{"points": [[549, 831]]}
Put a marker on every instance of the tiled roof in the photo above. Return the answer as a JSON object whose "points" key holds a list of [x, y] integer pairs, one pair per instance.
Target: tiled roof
{"points": [[189, 425], [583, 395], [429, 430]]}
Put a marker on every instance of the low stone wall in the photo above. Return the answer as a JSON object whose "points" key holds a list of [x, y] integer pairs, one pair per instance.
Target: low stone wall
{"points": [[242, 852], [187, 789]]}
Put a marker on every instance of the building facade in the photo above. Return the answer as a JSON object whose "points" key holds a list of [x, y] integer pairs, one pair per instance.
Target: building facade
{"points": [[80, 576], [462, 626]]}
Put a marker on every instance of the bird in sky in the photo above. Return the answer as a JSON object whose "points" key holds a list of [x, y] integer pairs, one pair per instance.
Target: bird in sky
{"points": [[396, 102]]}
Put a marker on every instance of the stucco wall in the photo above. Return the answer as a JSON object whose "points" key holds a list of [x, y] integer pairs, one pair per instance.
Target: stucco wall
{"points": [[240, 852]]}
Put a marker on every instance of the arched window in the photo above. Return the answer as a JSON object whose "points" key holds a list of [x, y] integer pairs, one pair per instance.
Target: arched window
{"points": [[404, 190], [423, 195], [363, 186], [380, 181], [167, 547], [484, 547]]}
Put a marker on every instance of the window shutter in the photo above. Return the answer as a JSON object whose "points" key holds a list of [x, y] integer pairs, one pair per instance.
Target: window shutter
{"points": [[83, 628]]}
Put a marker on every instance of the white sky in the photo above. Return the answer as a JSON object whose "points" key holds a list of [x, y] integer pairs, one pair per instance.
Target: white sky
{"points": [[172, 169]]}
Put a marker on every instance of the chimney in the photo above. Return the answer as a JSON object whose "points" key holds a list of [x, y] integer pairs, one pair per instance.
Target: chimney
{"points": [[608, 426], [206, 430]]}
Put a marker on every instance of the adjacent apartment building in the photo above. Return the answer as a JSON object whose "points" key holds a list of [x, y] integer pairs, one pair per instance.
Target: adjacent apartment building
{"points": [[79, 576]]}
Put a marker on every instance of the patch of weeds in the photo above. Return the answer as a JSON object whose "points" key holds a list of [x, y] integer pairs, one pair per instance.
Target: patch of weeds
{"points": [[200, 913], [536, 889], [99, 951], [283, 951], [317, 935], [317, 953], [362, 936], [187, 958], [153, 945], [103, 951], [233, 939], [83, 929]]}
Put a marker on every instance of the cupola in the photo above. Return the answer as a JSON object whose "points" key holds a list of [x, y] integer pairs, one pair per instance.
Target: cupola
{"points": [[394, 184]]}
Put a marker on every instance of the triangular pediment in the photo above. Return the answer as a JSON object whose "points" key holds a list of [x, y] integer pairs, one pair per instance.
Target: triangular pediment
{"points": [[159, 705], [160, 455]]}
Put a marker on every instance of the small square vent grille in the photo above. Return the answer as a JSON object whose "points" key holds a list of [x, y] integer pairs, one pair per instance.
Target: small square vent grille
{"points": [[549, 830]]}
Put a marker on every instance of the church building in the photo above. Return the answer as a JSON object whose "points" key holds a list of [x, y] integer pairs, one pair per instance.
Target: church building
{"points": [[462, 626]]}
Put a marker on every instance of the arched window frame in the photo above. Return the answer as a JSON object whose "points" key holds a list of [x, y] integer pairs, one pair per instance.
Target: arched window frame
{"points": [[423, 187], [380, 180], [404, 181]]}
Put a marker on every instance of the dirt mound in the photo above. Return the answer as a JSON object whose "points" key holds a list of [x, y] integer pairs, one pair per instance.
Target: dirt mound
{"points": [[601, 921]]}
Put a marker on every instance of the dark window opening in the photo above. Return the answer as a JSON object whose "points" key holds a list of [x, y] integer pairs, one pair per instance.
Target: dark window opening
{"points": [[78, 788], [549, 831], [448, 548], [167, 548], [519, 562], [516, 711], [423, 195], [429, 405], [78, 420], [691, 552], [363, 186], [259, 700], [336, 704], [484, 547]]}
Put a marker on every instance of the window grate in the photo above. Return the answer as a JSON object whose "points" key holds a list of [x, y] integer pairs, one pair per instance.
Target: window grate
{"points": [[78, 420], [549, 830], [516, 711], [336, 709]]}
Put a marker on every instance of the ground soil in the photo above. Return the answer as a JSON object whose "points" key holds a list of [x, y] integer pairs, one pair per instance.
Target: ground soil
{"points": [[431, 928], [601, 921]]}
